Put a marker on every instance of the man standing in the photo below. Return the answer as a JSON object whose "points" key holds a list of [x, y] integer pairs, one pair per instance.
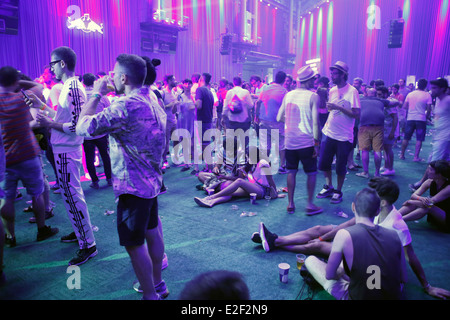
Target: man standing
{"points": [[136, 127], [300, 113], [170, 106], [22, 153], [391, 129], [418, 106], [357, 83], [288, 82], [400, 110], [186, 119], [441, 137], [221, 95], [371, 131], [100, 142], [68, 152], [258, 86], [271, 99], [204, 104], [237, 109], [402, 88], [344, 106]]}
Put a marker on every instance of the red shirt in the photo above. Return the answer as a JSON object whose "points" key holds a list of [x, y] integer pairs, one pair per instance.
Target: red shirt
{"points": [[15, 120]]}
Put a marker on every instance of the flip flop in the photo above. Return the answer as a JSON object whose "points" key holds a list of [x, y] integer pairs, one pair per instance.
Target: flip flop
{"points": [[290, 210], [311, 212], [363, 175]]}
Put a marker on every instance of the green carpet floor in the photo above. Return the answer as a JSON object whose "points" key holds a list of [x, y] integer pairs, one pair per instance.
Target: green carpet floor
{"points": [[200, 239]]}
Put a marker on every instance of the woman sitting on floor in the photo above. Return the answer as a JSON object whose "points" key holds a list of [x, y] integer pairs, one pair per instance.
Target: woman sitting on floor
{"points": [[437, 206], [259, 181], [226, 169]]}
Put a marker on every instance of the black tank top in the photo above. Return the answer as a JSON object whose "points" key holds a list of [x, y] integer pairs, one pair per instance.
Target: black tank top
{"points": [[444, 204], [376, 251]]}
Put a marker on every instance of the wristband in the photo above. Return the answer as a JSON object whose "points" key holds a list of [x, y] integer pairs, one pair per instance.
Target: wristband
{"points": [[426, 287], [43, 106], [96, 95], [320, 238]]}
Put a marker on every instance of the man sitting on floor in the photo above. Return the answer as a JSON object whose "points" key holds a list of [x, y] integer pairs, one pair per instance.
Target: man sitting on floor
{"points": [[372, 257], [318, 239]]}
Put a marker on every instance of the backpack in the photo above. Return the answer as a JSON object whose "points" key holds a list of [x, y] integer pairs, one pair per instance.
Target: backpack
{"points": [[235, 105]]}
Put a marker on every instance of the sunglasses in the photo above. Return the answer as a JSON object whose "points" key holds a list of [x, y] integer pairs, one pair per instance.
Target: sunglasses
{"points": [[51, 64]]}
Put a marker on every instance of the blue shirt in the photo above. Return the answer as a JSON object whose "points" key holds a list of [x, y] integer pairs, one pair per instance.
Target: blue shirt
{"points": [[372, 111]]}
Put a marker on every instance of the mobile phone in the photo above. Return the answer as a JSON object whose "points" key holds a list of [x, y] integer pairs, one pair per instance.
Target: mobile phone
{"points": [[24, 94]]}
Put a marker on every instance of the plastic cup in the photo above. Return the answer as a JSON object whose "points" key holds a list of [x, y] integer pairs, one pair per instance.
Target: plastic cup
{"points": [[300, 261], [110, 81], [253, 198], [283, 270]]}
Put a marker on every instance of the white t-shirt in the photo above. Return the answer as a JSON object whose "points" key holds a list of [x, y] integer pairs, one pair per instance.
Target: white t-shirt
{"points": [[394, 221], [417, 105], [339, 126], [442, 119], [298, 131], [247, 103]]}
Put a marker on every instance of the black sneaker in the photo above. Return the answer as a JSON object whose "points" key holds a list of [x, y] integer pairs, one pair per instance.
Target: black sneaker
{"points": [[337, 197], [69, 238], [256, 238], [326, 192], [48, 215], [267, 238], [185, 168], [46, 232], [282, 170], [10, 242], [19, 196], [83, 255], [94, 185]]}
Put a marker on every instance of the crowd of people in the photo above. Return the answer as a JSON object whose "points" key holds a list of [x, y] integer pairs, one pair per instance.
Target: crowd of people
{"points": [[141, 127]]}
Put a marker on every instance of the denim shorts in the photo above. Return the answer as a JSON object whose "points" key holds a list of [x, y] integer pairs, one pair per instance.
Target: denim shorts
{"points": [[135, 216], [29, 172], [419, 126]]}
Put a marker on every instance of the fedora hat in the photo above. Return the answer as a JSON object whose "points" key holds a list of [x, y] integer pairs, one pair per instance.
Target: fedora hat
{"points": [[342, 66], [440, 82], [305, 73]]}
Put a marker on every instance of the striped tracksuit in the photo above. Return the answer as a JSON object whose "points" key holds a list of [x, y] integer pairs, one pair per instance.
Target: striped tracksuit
{"points": [[68, 159]]}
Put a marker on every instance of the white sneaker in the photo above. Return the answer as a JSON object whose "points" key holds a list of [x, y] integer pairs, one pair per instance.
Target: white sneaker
{"points": [[388, 172], [165, 262]]}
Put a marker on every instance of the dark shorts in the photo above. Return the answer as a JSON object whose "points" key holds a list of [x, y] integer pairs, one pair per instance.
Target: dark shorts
{"points": [[330, 148], [419, 126], [293, 158], [134, 217]]}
